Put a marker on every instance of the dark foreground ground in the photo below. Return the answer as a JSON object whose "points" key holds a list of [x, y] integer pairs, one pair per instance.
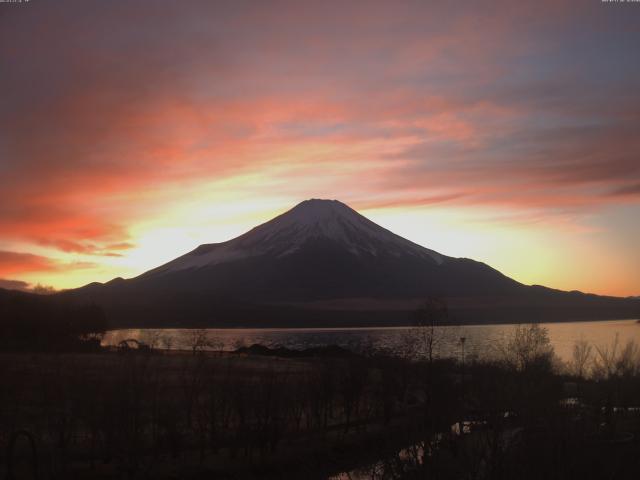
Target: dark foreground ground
{"points": [[138, 414]]}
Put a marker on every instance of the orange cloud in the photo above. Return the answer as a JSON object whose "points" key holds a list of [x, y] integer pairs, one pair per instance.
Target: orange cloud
{"points": [[16, 262]]}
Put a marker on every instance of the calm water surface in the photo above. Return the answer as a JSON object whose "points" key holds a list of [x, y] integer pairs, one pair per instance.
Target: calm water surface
{"points": [[396, 340]]}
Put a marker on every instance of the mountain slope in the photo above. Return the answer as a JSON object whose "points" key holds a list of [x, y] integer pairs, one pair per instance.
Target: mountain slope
{"points": [[322, 262], [289, 233], [322, 249]]}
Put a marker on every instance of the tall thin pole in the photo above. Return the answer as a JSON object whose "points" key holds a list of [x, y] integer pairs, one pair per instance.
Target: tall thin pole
{"points": [[462, 342]]}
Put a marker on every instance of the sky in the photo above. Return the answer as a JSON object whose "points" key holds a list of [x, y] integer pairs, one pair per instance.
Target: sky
{"points": [[507, 132]]}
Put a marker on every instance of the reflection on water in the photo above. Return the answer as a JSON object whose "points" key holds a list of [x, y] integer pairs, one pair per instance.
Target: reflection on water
{"points": [[394, 340], [398, 465]]}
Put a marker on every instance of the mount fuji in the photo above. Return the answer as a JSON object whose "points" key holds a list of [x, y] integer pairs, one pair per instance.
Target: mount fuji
{"points": [[289, 234], [323, 264]]}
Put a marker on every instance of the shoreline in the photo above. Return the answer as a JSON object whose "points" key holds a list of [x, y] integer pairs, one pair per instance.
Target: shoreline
{"points": [[398, 326]]}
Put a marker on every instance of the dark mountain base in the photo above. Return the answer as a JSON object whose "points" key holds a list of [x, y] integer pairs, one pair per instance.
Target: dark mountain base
{"points": [[189, 313]]}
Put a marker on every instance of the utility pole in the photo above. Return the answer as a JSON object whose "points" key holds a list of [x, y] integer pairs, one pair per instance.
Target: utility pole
{"points": [[462, 342]]}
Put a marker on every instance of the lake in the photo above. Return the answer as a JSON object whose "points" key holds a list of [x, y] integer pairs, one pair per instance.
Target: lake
{"points": [[480, 339]]}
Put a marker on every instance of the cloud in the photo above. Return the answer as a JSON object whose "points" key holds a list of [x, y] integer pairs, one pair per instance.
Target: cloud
{"points": [[17, 262], [13, 284], [412, 201], [12, 263], [628, 190], [87, 248]]}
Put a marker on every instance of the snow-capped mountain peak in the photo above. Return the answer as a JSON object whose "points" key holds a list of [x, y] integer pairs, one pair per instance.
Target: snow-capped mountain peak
{"points": [[309, 221]]}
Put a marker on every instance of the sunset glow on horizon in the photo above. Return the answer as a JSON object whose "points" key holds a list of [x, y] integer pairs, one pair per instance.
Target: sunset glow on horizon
{"points": [[506, 132]]}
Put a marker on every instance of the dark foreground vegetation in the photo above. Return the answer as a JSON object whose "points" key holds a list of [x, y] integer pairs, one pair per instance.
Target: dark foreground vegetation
{"points": [[30, 322], [137, 413]]}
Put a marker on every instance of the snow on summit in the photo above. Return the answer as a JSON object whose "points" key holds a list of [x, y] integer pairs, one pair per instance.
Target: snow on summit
{"points": [[308, 221]]}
